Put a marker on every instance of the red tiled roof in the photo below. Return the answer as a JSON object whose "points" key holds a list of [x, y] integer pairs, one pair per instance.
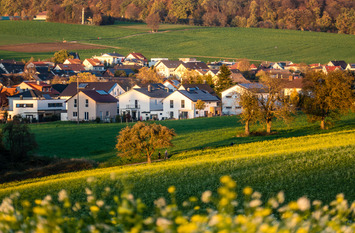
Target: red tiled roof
{"points": [[94, 62], [332, 68], [296, 83], [139, 56], [74, 61]]}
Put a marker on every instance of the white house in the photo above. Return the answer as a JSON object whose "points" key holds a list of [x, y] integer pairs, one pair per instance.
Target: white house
{"points": [[172, 84], [87, 105], [350, 66], [183, 67], [36, 105], [110, 58], [231, 97], [143, 103], [110, 87], [93, 64], [181, 104], [154, 61], [167, 68]]}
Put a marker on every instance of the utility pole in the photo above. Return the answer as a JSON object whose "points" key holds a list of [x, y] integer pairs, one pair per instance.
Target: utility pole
{"points": [[77, 100], [83, 16]]}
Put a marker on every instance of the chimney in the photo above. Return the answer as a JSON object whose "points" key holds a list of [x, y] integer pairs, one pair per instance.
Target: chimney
{"points": [[149, 88], [21, 97], [38, 82]]}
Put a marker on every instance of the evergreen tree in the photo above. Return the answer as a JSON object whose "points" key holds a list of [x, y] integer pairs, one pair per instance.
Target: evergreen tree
{"points": [[224, 80]]}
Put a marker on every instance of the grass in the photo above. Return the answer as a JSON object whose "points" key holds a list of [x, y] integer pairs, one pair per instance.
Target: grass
{"points": [[188, 41], [317, 166], [192, 134]]}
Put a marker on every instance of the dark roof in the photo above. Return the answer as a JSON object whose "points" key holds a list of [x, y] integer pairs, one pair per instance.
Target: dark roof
{"points": [[74, 67], [343, 64], [154, 93], [171, 64], [12, 67], [31, 94], [115, 54], [256, 86], [204, 86], [153, 85], [100, 96], [195, 95], [72, 87], [195, 65], [59, 87]]}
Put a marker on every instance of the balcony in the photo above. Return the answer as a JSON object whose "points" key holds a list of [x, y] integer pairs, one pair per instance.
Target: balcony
{"points": [[133, 106]]}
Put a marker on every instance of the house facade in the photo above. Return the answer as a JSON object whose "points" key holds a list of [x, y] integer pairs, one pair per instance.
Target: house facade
{"points": [[88, 105], [143, 103], [110, 58], [93, 64], [231, 97], [167, 68], [181, 104]]}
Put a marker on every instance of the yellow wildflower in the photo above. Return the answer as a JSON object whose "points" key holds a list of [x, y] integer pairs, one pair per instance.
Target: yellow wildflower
{"points": [[94, 209], [171, 189], [247, 191]]}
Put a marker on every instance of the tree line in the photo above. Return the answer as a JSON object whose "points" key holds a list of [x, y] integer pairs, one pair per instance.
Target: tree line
{"points": [[315, 15]]}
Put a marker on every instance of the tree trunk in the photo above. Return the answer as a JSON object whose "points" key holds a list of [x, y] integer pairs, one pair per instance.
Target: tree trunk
{"points": [[247, 132], [149, 159], [268, 127], [322, 123]]}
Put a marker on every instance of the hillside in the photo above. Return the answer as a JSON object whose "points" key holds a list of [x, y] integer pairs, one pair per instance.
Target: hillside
{"points": [[316, 166], [174, 41]]}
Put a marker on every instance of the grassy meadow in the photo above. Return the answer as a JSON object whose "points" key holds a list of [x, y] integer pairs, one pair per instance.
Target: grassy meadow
{"points": [[318, 166], [174, 41]]}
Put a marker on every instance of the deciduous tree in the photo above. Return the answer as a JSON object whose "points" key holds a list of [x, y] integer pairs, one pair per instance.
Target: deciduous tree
{"points": [[83, 77], [60, 56], [248, 100], [143, 140], [200, 105], [326, 97], [149, 75], [153, 21]]}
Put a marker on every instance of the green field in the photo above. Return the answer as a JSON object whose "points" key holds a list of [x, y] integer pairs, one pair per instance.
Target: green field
{"points": [[191, 135], [299, 159], [317, 166], [176, 41]]}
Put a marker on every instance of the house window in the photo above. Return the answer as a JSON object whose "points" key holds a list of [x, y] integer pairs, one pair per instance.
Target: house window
{"points": [[171, 103], [55, 105], [228, 96], [107, 113], [86, 103], [86, 116], [75, 114], [228, 107], [24, 105], [182, 103], [156, 102], [75, 103]]}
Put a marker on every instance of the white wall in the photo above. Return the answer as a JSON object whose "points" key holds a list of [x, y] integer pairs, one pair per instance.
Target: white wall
{"points": [[230, 100]]}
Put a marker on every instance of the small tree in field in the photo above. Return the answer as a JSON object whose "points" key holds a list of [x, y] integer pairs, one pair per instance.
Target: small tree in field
{"points": [[152, 21], [250, 109], [326, 97], [200, 105], [275, 104], [143, 140]]}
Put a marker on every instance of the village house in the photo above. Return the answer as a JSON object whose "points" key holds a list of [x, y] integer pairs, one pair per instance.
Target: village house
{"points": [[76, 68], [172, 84], [154, 61], [135, 59], [181, 104], [341, 64], [72, 61], [350, 66], [231, 97], [93, 64], [184, 67], [38, 86], [144, 103], [87, 105], [35, 105], [167, 68], [110, 58], [327, 69], [112, 88], [292, 85]]}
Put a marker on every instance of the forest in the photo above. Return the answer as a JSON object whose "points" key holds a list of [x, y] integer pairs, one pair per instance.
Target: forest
{"points": [[312, 15]]}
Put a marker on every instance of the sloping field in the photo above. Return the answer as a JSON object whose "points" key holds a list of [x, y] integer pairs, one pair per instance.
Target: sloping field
{"points": [[318, 166], [176, 41]]}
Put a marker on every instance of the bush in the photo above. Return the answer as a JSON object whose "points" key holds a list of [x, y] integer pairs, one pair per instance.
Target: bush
{"points": [[117, 211], [97, 120]]}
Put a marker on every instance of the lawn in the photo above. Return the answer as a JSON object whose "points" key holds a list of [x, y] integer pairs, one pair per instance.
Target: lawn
{"points": [[97, 141], [174, 41]]}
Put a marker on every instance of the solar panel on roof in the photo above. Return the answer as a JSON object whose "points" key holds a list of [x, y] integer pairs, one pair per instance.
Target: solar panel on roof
{"points": [[83, 85], [101, 92], [47, 97]]}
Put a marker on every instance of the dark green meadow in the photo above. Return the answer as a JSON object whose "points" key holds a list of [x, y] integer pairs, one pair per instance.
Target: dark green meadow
{"points": [[174, 41], [97, 141]]}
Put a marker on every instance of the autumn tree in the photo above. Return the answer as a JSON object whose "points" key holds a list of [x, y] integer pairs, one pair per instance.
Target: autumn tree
{"points": [[142, 140], [83, 77], [224, 80], [149, 75], [200, 105], [327, 96], [243, 65], [60, 56], [153, 21], [248, 100], [191, 77], [272, 103]]}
